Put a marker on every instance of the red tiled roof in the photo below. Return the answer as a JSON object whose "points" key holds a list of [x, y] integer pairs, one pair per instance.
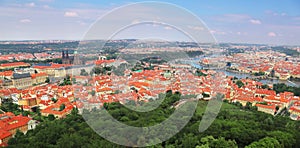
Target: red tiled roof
{"points": [[99, 62], [295, 109], [13, 122], [104, 89], [4, 134], [6, 73], [266, 106], [52, 66], [15, 64], [38, 75]]}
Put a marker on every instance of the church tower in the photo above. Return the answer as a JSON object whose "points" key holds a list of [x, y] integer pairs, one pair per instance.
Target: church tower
{"points": [[65, 57]]}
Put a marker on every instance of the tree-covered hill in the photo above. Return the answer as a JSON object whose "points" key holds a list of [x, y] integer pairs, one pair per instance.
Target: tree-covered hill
{"points": [[235, 126]]}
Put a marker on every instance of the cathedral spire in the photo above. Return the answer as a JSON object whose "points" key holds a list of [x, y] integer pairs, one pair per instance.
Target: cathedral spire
{"points": [[63, 54]]}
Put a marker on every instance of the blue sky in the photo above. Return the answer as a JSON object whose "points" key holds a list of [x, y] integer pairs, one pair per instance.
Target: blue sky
{"points": [[239, 21]]}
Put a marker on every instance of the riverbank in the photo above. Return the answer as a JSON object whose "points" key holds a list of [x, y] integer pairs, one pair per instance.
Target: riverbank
{"points": [[241, 75]]}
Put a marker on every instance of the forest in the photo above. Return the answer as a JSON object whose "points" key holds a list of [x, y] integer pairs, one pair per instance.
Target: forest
{"points": [[235, 126]]}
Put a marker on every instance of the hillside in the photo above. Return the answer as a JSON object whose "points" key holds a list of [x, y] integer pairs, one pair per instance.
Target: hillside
{"points": [[235, 126]]}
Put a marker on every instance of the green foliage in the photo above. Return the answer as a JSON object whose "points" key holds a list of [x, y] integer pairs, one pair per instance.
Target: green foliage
{"points": [[265, 142], [66, 81], [83, 72], [261, 73], [36, 48], [205, 95], [200, 73], [47, 80], [239, 83], [286, 50], [194, 53], [285, 139], [234, 126], [74, 111], [54, 100], [211, 142], [11, 107], [93, 92], [265, 86], [153, 60], [51, 117], [62, 107], [19, 138], [281, 87], [100, 70]]}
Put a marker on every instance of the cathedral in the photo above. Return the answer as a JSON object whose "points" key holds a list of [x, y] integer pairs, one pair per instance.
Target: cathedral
{"points": [[74, 60]]}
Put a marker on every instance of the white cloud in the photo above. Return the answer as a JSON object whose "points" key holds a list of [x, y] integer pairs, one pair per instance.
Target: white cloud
{"points": [[70, 14], [168, 28], [217, 32], [272, 34], [196, 27], [135, 21], [283, 14], [25, 21], [256, 22], [30, 4]]}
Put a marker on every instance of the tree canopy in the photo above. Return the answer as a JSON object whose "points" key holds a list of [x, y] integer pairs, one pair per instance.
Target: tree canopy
{"points": [[233, 127]]}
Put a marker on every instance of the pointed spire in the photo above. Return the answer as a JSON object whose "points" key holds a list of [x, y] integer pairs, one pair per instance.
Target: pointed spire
{"points": [[67, 56], [63, 54]]}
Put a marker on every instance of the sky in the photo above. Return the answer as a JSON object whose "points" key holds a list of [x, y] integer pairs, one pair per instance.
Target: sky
{"points": [[235, 21]]}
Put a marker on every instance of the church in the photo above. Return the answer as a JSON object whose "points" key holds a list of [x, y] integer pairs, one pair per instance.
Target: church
{"points": [[74, 60]]}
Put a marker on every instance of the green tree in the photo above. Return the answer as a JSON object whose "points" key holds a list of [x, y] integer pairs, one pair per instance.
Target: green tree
{"points": [[18, 138], [72, 140], [265, 86], [74, 111], [211, 142], [51, 117], [83, 72], [265, 142], [47, 80], [62, 107], [239, 83], [93, 92], [285, 139], [54, 100]]}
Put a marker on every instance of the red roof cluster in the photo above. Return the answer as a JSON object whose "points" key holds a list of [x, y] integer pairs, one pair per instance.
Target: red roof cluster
{"points": [[14, 64], [99, 62], [9, 122]]}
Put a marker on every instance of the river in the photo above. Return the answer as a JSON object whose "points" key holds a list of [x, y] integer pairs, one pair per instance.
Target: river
{"points": [[195, 64]]}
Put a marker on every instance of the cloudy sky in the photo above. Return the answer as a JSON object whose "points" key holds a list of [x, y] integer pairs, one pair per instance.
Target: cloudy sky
{"points": [[249, 21]]}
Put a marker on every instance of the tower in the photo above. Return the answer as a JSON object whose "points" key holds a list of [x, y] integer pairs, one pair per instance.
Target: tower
{"points": [[63, 54], [76, 60], [65, 57], [67, 54]]}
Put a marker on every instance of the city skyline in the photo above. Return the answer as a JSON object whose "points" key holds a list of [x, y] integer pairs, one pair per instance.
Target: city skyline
{"points": [[264, 22]]}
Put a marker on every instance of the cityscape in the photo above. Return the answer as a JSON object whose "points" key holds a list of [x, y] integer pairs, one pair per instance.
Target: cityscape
{"points": [[55, 92]]}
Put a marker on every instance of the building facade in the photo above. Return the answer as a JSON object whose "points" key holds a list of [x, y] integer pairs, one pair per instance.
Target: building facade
{"points": [[21, 81]]}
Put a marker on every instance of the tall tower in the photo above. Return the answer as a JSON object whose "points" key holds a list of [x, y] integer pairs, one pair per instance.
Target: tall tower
{"points": [[63, 54], [77, 60], [67, 52], [65, 57]]}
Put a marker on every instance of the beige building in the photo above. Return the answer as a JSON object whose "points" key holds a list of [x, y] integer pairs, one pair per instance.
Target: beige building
{"points": [[21, 81], [269, 109], [38, 78]]}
